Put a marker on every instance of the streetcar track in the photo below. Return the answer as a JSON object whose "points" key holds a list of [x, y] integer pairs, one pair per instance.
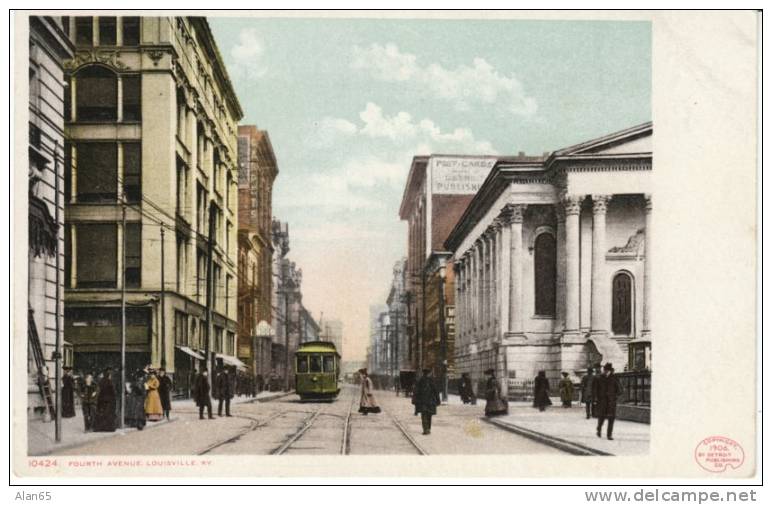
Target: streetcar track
{"points": [[345, 446], [408, 436], [254, 425], [307, 422]]}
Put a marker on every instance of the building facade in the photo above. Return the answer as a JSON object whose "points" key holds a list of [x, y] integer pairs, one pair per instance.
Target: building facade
{"points": [[398, 316], [257, 172], [438, 190], [151, 189], [378, 359], [49, 47], [551, 261]]}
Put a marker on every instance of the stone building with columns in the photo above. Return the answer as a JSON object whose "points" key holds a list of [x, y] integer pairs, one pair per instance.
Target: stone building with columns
{"points": [[551, 262], [151, 118]]}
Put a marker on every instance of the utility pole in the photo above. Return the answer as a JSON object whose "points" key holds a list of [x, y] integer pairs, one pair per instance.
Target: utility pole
{"points": [[209, 288], [123, 309], [163, 303], [286, 336], [58, 349], [396, 351]]}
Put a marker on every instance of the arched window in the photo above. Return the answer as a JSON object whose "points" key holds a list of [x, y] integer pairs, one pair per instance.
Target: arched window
{"points": [[622, 304], [96, 94], [545, 269]]}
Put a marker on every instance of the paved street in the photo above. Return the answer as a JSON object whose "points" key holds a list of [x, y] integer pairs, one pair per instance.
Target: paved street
{"points": [[288, 426]]}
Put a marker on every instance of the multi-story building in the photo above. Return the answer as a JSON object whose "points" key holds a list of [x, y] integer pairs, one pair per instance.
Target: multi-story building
{"points": [[257, 172], [553, 266], [438, 190], [310, 331], [377, 348], [49, 46], [151, 191], [398, 316]]}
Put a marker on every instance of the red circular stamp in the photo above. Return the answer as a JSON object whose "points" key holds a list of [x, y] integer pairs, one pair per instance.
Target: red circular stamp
{"points": [[717, 453]]}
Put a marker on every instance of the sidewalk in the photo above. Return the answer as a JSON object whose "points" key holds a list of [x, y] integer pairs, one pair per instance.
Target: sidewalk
{"points": [[40, 435], [569, 429]]}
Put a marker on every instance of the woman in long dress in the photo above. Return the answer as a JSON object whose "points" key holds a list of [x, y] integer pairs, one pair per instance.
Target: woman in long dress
{"points": [[367, 403], [135, 401], [495, 405], [541, 391], [153, 408], [104, 420]]}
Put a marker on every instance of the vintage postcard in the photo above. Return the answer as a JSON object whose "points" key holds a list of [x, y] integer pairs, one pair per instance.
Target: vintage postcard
{"points": [[385, 244]]}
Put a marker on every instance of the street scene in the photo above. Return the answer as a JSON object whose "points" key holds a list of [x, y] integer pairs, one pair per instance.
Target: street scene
{"points": [[275, 236]]}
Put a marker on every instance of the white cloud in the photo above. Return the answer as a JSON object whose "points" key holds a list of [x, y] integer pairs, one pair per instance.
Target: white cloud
{"points": [[247, 54], [385, 62], [464, 86], [377, 125]]}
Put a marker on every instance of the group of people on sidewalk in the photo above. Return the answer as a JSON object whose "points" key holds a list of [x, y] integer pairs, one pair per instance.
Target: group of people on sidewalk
{"points": [[147, 398], [224, 390], [599, 390]]}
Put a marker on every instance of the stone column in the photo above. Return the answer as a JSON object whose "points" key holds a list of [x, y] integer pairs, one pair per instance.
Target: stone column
{"points": [[479, 292], [572, 205], [647, 271], [488, 276], [516, 269], [600, 302], [505, 276]]}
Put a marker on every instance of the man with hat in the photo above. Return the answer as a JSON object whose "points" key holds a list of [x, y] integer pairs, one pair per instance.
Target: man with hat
{"points": [[165, 391], [586, 388], [606, 390], [201, 394], [426, 398], [68, 393]]}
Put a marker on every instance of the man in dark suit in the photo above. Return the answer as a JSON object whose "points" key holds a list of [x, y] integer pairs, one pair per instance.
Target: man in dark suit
{"points": [[606, 390], [426, 398], [201, 394], [225, 388]]}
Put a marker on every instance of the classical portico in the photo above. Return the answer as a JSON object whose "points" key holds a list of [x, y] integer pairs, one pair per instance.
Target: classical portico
{"points": [[551, 257]]}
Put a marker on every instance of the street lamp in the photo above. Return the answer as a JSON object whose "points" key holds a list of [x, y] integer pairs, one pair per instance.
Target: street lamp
{"points": [[443, 332]]}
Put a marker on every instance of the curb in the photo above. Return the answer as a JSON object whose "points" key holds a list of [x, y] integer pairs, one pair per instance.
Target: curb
{"points": [[558, 443], [116, 433]]}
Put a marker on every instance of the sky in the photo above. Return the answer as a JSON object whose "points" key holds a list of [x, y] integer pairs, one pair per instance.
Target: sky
{"points": [[347, 104]]}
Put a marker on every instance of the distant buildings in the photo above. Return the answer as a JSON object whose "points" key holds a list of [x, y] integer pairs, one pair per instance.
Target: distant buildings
{"points": [[438, 190], [257, 172], [151, 191], [49, 46]]}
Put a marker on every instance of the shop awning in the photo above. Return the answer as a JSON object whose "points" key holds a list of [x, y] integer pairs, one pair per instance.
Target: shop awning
{"points": [[231, 360], [189, 351]]}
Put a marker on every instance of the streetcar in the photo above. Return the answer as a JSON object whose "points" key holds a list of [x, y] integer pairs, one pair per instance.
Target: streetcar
{"points": [[317, 369]]}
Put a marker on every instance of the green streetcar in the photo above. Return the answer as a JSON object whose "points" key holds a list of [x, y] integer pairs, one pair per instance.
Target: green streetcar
{"points": [[317, 369]]}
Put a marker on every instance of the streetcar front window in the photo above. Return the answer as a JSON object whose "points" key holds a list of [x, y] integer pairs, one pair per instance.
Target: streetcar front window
{"points": [[329, 364], [316, 363], [302, 364]]}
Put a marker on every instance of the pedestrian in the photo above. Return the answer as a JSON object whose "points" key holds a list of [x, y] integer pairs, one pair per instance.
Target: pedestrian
{"points": [[88, 401], [426, 398], [224, 387], [165, 391], [465, 390], [192, 377], [202, 397], [607, 390], [104, 419], [586, 389], [566, 390], [541, 391], [367, 403], [135, 401], [153, 408], [68, 393], [495, 405]]}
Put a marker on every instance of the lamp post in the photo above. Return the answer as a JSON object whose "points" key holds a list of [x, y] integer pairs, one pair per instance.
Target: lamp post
{"points": [[443, 332]]}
